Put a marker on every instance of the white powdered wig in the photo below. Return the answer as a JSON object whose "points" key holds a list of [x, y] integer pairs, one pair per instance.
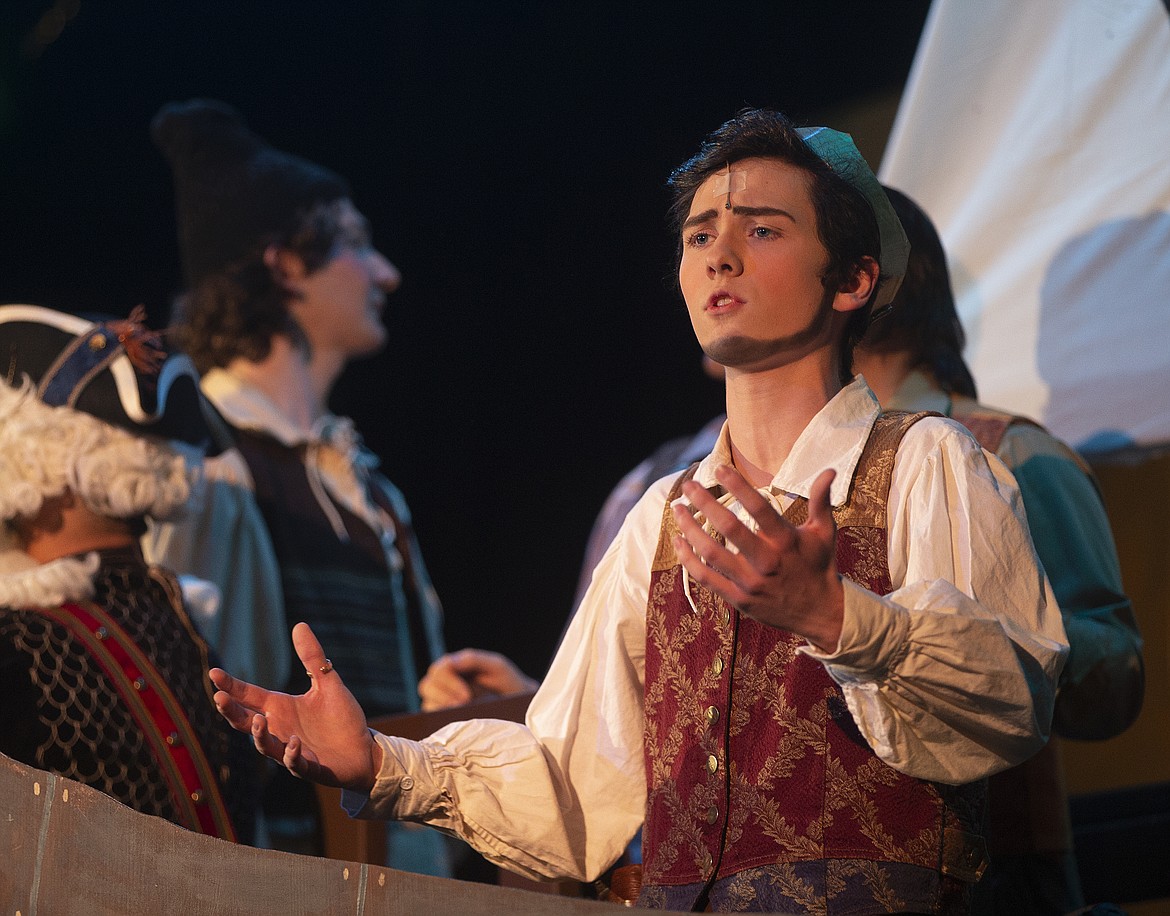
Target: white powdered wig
{"points": [[46, 450]]}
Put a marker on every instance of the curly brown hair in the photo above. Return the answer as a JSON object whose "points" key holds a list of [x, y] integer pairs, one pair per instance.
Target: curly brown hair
{"points": [[237, 312]]}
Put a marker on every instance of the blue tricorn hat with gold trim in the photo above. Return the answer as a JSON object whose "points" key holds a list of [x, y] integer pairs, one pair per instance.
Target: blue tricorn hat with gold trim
{"points": [[112, 369]]}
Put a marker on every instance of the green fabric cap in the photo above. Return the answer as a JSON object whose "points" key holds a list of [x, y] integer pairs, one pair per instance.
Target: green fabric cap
{"points": [[838, 150]]}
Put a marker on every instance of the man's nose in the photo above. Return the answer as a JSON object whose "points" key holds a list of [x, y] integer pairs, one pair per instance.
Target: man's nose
{"points": [[723, 257], [383, 273]]}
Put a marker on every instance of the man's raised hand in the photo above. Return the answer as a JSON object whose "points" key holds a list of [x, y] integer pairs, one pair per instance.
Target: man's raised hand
{"points": [[320, 735], [783, 575]]}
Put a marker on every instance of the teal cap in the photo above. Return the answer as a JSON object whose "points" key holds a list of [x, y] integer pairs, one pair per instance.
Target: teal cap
{"points": [[842, 156]]}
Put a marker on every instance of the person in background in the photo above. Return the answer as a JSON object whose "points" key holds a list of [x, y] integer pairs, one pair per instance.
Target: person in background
{"points": [[103, 675], [671, 457], [284, 287], [912, 358], [458, 677], [773, 668]]}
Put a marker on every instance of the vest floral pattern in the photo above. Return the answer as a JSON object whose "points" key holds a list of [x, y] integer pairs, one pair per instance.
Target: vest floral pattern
{"points": [[758, 777]]}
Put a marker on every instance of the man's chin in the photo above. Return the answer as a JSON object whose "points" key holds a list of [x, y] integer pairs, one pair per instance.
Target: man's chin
{"points": [[740, 352], [371, 345]]}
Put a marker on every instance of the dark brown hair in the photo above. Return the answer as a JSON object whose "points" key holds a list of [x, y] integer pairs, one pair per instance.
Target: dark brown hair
{"points": [[922, 319], [237, 311]]}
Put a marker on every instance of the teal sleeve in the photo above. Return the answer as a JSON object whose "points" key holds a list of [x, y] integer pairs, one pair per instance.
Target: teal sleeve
{"points": [[1102, 686], [222, 538]]}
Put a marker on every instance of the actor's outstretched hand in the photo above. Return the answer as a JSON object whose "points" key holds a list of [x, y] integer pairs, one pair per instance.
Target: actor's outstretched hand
{"points": [[459, 677], [320, 735], [783, 575]]}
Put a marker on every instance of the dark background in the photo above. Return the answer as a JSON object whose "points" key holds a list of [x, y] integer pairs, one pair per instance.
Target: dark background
{"points": [[511, 158]]}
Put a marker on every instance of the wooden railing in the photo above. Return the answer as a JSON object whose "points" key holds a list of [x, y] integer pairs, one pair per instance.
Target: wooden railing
{"points": [[68, 850]]}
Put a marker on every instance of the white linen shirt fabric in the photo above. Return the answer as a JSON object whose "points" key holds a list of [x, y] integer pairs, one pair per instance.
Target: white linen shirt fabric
{"points": [[950, 677]]}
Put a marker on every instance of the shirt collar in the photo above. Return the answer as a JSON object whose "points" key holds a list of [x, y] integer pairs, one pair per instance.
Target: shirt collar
{"points": [[919, 392], [25, 583], [247, 407], [833, 439]]}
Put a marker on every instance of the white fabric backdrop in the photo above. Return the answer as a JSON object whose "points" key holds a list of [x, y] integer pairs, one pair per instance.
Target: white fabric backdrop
{"points": [[1037, 135]]}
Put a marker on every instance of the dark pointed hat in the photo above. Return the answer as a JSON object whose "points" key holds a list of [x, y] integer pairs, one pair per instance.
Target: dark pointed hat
{"points": [[234, 194]]}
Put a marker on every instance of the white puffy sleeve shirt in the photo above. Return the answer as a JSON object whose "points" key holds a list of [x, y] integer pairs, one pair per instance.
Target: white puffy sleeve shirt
{"points": [[950, 677]]}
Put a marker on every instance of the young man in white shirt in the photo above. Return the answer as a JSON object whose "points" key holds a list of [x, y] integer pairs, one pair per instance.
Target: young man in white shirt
{"points": [[792, 737]]}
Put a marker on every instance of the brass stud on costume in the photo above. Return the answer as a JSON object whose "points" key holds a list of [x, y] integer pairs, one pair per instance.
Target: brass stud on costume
{"points": [[97, 342], [712, 715], [712, 763]]}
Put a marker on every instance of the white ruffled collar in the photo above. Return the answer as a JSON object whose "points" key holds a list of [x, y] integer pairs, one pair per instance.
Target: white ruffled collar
{"points": [[245, 406], [24, 583]]}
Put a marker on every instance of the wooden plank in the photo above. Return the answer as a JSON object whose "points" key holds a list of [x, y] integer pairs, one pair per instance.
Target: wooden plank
{"points": [[100, 858]]}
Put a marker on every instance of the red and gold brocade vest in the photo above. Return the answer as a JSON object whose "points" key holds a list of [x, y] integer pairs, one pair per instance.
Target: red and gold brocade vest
{"points": [[752, 756]]}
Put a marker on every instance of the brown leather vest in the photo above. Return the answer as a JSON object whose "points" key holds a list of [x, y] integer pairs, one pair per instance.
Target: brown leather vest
{"points": [[752, 756]]}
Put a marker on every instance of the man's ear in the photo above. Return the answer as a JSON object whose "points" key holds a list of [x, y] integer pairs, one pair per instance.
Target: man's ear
{"points": [[286, 266], [856, 292]]}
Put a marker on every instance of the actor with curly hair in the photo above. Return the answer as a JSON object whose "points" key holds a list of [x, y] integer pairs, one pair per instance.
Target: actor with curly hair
{"points": [[283, 288]]}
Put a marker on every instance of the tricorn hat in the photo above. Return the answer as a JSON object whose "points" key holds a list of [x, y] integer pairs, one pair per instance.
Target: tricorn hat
{"points": [[112, 369]]}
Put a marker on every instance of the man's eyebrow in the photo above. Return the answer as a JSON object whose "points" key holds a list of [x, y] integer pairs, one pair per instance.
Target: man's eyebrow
{"points": [[708, 215], [705, 216], [763, 211]]}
